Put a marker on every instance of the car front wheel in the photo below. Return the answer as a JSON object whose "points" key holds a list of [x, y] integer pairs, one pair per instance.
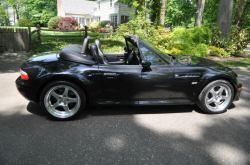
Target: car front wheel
{"points": [[216, 97], [62, 100]]}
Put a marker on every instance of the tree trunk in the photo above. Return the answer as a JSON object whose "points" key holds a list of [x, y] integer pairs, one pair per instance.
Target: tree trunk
{"points": [[224, 18], [199, 13], [240, 10], [163, 11], [17, 12]]}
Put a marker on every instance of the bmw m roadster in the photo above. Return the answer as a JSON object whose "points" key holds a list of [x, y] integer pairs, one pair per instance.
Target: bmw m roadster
{"points": [[80, 75]]}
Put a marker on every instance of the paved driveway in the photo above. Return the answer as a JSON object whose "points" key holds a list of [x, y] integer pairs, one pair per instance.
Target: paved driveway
{"points": [[123, 135]]}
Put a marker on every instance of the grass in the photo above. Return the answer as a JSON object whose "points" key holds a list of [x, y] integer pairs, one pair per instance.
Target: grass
{"points": [[242, 63], [56, 44]]}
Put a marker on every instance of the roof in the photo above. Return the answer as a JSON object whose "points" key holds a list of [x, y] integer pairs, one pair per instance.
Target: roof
{"points": [[78, 6]]}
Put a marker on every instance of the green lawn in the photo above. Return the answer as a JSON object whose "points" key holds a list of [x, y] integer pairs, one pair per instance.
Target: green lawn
{"points": [[56, 44], [242, 63]]}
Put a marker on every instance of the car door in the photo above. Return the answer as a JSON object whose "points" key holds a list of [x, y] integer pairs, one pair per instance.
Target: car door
{"points": [[157, 83], [124, 83], [120, 82]]}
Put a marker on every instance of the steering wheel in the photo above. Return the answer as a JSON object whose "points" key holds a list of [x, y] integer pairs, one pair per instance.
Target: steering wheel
{"points": [[130, 57]]}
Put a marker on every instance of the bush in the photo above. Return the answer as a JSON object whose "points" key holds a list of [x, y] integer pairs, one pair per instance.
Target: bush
{"points": [[67, 23], [25, 23], [104, 23], [102, 30], [194, 35], [53, 22], [218, 51], [234, 43], [137, 26], [94, 26], [194, 41]]}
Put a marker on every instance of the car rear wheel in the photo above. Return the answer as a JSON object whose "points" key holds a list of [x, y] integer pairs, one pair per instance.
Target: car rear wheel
{"points": [[62, 100], [216, 97]]}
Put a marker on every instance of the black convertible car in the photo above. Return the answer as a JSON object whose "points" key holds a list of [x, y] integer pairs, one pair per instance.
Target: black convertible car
{"points": [[65, 83]]}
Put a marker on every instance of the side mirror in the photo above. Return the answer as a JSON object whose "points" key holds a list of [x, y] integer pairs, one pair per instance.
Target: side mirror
{"points": [[146, 65], [125, 49]]}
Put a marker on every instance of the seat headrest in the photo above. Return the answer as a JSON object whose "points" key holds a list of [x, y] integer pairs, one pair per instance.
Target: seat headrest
{"points": [[94, 50], [85, 46], [98, 43]]}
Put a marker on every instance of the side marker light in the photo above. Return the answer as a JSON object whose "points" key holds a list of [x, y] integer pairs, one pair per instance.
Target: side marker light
{"points": [[24, 75]]}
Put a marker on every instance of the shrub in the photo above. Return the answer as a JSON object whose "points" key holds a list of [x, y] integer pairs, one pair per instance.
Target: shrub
{"points": [[218, 51], [234, 43], [25, 22], [194, 35], [67, 23], [194, 41], [104, 23], [53, 22], [102, 30], [139, 25], [94, 26]]}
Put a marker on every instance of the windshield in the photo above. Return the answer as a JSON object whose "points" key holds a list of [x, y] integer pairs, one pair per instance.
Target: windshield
{"points": [[162, 54]]}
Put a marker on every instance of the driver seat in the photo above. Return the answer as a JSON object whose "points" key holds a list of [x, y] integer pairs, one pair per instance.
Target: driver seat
{"points": [[85, 50], [100, 53]]}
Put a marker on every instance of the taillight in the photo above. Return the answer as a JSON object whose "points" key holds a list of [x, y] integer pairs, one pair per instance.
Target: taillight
{"points": [[24, 75]]}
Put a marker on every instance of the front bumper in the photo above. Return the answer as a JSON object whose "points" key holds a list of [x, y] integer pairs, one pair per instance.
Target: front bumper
{"points": [[237, 94], [26, 89]]}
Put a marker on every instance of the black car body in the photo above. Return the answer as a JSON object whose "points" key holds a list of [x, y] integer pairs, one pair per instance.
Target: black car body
{"points": [[147, 77]]}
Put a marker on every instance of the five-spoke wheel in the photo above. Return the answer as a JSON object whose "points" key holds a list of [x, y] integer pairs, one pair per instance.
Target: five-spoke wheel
{"points": [[62, 100], [216, 96]]}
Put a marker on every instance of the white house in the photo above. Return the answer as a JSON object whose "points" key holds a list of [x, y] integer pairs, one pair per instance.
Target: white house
{"points": [[86, 12]]}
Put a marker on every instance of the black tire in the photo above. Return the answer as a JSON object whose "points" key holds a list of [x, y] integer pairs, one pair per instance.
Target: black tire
{"points": [[59, 112], [201, 103]]}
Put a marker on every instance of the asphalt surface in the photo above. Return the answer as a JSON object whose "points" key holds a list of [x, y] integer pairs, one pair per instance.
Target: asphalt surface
{"points": [[123, 135]]}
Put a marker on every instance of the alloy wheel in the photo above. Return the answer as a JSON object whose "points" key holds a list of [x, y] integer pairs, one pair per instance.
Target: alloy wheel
{"points": [[218, 97], [62, 101]]}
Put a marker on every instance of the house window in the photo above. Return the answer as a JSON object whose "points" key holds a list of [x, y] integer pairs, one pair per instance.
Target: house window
{"points": [[99, 5], [113, 18], [98, 19], [80, 20], [124, 19], [77, 19], [111, 3]]}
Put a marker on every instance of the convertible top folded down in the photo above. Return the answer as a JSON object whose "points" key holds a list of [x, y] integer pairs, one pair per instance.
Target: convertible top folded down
{"points": [[73, 53]]}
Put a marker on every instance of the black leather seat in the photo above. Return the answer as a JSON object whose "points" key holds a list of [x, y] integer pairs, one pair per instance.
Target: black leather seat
{"points": [[85, 49], [102, 59], [94, 52]]}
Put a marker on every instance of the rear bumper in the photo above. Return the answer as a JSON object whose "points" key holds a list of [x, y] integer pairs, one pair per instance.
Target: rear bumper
{"points": [[26, 90]]}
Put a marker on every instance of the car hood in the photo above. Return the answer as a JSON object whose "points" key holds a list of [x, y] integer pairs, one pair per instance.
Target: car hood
{"points": [[192, 60]]}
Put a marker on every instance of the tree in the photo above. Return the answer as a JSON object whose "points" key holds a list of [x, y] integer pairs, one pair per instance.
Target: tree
{"points": [[139, 6], [15, 4], [199, 13], [45, 9], [180, 12], [3, 14], [163, 11], [224, 18], [156, 12], [240, 6]]}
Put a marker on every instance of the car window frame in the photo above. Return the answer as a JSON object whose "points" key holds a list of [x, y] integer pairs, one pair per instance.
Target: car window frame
{"points": [[155, 53]]}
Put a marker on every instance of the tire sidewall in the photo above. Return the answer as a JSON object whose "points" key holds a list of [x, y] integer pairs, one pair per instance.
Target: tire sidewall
{"points": [[72, 85], [201, 102]]}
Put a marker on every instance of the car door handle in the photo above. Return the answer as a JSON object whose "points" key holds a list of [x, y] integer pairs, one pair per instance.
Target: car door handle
{"points": [[110, 74]]}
